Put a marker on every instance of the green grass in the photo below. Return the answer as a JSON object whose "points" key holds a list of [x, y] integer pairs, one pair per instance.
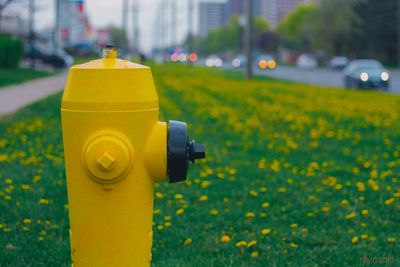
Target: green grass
{"points": [[17, 75], [320, 158]]}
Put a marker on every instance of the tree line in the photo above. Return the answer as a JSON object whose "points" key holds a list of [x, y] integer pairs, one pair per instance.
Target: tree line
{"points": [[353, 28]]}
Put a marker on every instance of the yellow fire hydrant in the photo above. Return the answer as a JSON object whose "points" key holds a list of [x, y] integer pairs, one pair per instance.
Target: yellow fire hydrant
{"points": [[115, 149]]}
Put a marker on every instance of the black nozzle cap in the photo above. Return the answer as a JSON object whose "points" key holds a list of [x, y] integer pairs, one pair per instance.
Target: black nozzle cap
{"points": [[196, 151], [181, 151]]}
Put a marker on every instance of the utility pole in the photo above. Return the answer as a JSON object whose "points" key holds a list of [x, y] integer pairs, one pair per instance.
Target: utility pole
{"points": [[135, 26], [398, 32], [173, 23], [164, 28], [32, 32], [190, 29], [56, 34], [125, 10], [248, 38]]}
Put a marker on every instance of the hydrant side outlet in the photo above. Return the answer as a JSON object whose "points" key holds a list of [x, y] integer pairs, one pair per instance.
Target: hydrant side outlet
{"points": [[115, 149]]}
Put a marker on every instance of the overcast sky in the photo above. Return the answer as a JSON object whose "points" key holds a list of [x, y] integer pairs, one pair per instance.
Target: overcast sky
{"points": [[108, 12]]}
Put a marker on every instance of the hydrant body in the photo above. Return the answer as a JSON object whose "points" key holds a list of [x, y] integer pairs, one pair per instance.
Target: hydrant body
{"points": [[115, 148]]}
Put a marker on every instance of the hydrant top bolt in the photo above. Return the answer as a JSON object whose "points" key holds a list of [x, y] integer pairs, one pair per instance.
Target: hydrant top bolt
{"points": [[106, 161], [110, 52]]}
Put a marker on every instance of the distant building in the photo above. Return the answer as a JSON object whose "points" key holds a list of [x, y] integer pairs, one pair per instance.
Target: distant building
{"points": [[74, 23], [217, 14], [212, 15], [274, 11], [13, 24]]}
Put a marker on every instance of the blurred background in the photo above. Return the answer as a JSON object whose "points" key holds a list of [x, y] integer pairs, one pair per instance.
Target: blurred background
{"points": [[285, 39]]}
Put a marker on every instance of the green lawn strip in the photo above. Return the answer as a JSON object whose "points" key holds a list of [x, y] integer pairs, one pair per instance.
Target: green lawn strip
{"points": [[17, 75]]}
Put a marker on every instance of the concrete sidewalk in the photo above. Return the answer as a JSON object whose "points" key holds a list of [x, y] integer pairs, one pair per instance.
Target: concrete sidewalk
{"points": [[17, 96]]}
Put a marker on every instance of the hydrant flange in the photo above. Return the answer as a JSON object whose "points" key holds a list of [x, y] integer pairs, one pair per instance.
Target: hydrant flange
{"points": [[107, 159]]}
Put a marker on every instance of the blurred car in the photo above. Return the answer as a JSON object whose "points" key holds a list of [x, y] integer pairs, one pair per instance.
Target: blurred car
{"points": [[338, 63], [214, 61], [239, 61], [58, 59], [307, 61], [266, 62], [366, 73]]}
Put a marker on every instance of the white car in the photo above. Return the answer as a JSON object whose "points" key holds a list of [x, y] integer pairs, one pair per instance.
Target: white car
{"points": [[307, 61], [339, 63]]}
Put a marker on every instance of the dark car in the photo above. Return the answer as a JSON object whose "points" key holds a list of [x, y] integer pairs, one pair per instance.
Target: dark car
{"points": [[366, 73]]}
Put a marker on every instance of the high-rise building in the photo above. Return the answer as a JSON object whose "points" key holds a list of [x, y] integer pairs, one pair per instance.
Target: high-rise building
{"points": [[236, 7], [274, 11], [74, 24], [212, 15]]}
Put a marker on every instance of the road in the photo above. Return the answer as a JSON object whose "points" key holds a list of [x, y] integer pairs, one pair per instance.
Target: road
{"points": [[323, 77]]}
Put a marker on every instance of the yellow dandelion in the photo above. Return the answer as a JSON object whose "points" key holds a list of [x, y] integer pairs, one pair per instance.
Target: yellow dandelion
{"points": [[241, 244], [351, 216], [205, 184], [160, 227], [360, 186], [355, 240], [344, 202], [364, 236], [26, 221], [364, 212], [250, 214], [159, 195], [265, 205], [252, 243], [179, 211], [263, 189], [44, 201], [326, 209], [254, 254], [282, 190], [225, 239], [214, 212], [253, 193], [294, 225], [390, 201], [266, 231], [25, 187], [203, 198], [391, 239], [294, 245], [178, 196], [188, 241]]}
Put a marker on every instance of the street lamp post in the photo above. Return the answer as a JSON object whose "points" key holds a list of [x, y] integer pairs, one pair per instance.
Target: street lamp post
{"points": [[248, 38]]}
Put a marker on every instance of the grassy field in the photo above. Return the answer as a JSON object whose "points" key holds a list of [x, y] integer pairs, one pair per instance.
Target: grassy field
{"points": [[295, 176], [17, 75]]}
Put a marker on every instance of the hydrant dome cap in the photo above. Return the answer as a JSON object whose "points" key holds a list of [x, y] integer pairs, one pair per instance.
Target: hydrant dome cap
{"points": [[109, 63]]}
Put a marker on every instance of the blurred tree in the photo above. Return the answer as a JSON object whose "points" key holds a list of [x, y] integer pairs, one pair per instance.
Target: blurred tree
{"points": [[229, 37], [119, 38], [327, 26], [375, 34], [336, 18], [298, 29]]}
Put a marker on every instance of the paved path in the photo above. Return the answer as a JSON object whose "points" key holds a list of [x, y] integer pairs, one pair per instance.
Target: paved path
{"points": [[14, 97]]}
